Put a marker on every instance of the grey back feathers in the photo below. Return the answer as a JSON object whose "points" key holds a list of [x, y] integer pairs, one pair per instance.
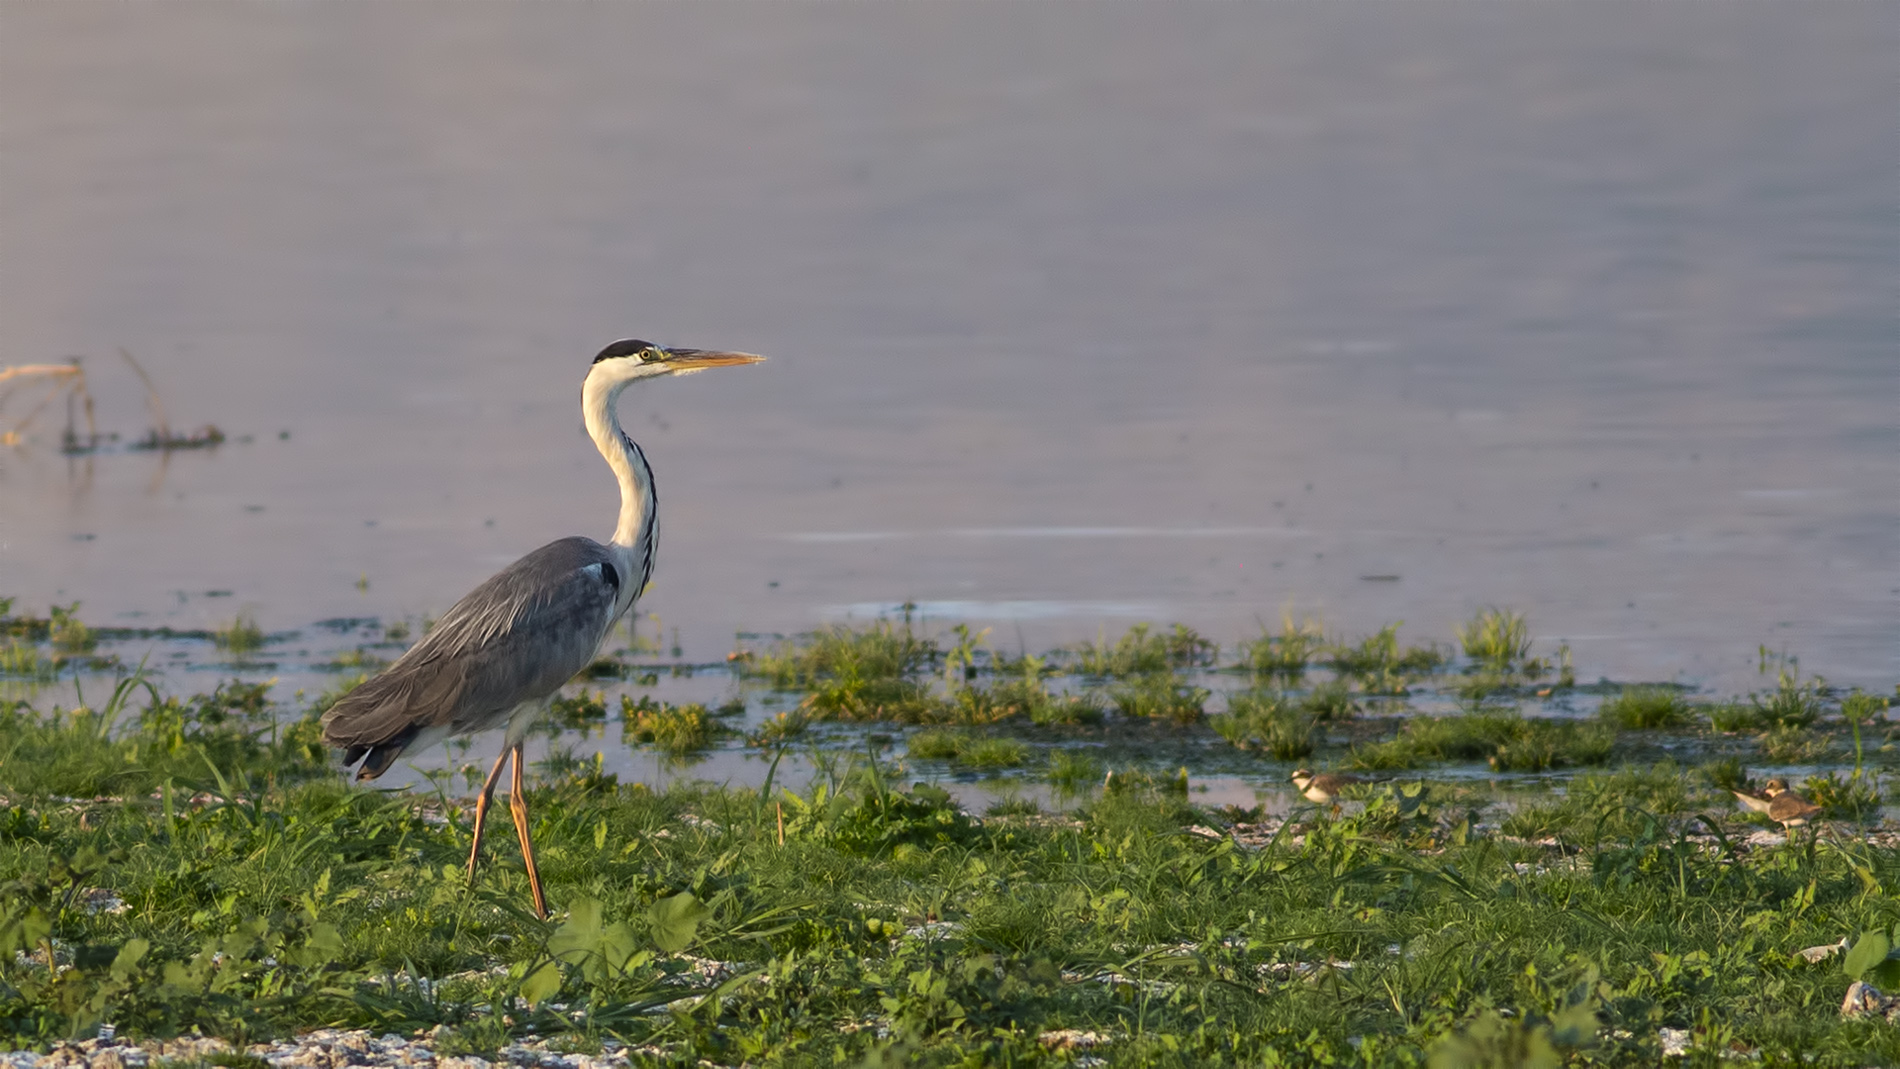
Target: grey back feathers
{"points": [[515, 639]]}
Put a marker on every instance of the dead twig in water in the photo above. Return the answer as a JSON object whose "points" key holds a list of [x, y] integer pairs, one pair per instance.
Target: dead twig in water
{"points": [[69, 379]]}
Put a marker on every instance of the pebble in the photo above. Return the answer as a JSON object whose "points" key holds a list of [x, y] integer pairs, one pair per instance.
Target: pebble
{"points": [[1865, 1000], [327, 1048]]}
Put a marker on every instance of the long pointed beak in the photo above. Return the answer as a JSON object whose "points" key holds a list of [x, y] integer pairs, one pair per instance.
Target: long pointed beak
{"points": [[681, 360]]}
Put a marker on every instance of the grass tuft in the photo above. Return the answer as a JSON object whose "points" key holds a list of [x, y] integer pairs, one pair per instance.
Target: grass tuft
{"points": [[1286, 654], [1496, 638], [1380, 665], [1266, 722], [1157, 697], [241, 637], [1140, 652], [672, 729], [1647, 708]]}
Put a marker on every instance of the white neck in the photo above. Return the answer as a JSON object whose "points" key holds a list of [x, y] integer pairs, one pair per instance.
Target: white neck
{"points": [[637, 531]]}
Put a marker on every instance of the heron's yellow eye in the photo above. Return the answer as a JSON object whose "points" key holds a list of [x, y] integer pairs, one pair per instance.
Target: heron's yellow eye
{"points": [[649, 354]]}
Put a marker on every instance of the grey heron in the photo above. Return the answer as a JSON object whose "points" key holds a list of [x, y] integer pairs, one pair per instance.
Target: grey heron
{"points": [[500, 654]]}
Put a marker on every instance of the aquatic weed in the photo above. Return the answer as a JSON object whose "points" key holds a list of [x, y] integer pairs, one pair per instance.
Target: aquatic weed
{"points": [[673, 729], [1160, 696], [1267, 722], [1496, 638], [240, 637], [1647, 708], [1287, 653], [1379, 664], [1138, 652]]}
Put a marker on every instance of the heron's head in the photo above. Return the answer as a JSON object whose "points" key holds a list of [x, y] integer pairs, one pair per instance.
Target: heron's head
{"points": [[630, 359]]}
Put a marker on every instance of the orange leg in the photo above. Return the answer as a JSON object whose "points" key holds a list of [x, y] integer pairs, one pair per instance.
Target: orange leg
{"points": [[518, 805], [481, 812]]}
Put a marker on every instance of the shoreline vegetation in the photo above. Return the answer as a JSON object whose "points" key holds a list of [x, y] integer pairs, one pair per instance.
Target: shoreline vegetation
{"points": [[1571, 885]]}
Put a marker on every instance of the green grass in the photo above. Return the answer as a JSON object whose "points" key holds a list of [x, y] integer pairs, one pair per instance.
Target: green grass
{"points": [[1286, 654], [1506, 741], [883, 652], [860, 921], [856, 922], [1380, 665], [975, 751], [1647, 708], [1075, 770], [671, 729], [1497, 639], [1141, 651], [1794, 703], [1161, 696], [242, 636], [1266, 722]]}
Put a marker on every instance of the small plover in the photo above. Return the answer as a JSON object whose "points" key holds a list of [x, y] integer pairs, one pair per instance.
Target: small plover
{"points": [[1787, 808], [1322, 788], [1760, 803]]}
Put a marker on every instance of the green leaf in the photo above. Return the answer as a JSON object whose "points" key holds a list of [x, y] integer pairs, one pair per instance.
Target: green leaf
{"points": [[580, 935], [676, 921], [130, 955], [1869, 952], [1885, 975], [21, 932], [542, 983]]}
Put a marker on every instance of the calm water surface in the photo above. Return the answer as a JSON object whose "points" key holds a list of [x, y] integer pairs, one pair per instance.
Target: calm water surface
{"points": [[1079, 314]]}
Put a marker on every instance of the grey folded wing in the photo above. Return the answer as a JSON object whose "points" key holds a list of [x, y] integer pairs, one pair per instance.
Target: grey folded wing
{"points": [[516, 638]]}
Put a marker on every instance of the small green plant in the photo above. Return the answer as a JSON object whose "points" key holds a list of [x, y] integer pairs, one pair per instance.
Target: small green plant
{"points": [[576, 712], [241, 637], [1160, 697], [960, 660], [673, 729], [883, 652], [1727, 774], [1497, 639], [1330, 701], [1646, 708], [24, 660], [68, 635], [1506, 741], [1013, 807], [994, 752], [1846, 797], [1286, 654], [1266, 722], [933, 745], [779, 730], [1075, 770], [1793, 703], [1872, 959], [1548, 744], [1732, 717], [1138, 652], [1791, 745], [1379, 664], [975, 751]]}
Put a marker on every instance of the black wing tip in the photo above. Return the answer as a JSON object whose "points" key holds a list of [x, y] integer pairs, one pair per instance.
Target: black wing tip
{"points": [[377, 757]]}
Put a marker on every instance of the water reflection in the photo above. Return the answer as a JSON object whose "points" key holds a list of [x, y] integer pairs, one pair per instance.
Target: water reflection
{"points": [[1079, 314]]}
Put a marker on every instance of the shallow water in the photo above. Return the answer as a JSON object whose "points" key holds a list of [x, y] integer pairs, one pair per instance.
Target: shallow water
{"points": [[1079, 314]]}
